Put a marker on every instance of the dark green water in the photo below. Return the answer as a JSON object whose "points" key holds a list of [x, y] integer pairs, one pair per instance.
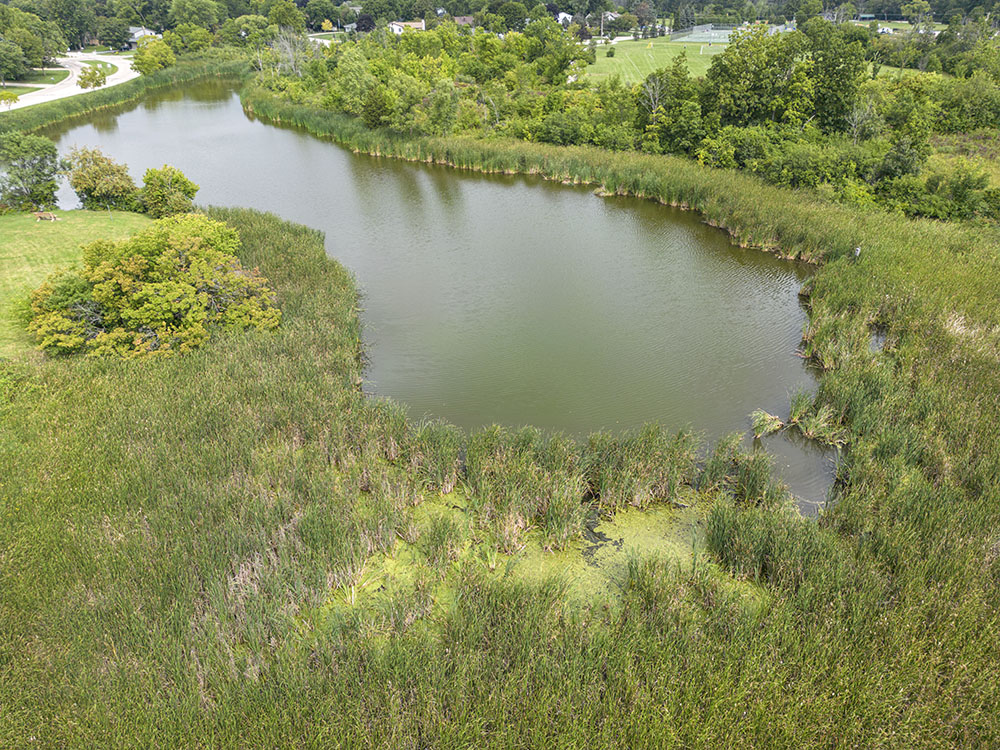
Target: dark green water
{"points": [[506, 299]]}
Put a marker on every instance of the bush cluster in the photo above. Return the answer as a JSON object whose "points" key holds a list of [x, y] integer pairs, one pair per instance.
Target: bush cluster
{"points": [[157, 293]]}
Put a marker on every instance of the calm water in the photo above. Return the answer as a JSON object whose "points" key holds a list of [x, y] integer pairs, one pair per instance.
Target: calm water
{"points": [[505, 299]]}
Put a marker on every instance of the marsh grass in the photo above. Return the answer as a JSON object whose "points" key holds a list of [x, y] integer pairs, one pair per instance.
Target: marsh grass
{"points": [[174, 531], [763, 423]]}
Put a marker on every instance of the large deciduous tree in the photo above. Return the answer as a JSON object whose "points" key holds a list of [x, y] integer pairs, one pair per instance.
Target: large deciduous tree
{"points": [[30, 168], [100, 182], [11, 62], [204, 13]]}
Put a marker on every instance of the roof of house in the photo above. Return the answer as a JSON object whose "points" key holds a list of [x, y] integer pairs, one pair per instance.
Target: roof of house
{"points": [[409, 24], [465, 20], [138, 32]]}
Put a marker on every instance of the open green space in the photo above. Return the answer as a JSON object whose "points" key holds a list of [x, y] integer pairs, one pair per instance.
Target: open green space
{"points": [[20, 90], [107, 67], [634, 60], [46, 76], [30, 250]]}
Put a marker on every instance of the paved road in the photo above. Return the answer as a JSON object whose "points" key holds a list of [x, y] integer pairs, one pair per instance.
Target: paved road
{"points": [[74, 62]]}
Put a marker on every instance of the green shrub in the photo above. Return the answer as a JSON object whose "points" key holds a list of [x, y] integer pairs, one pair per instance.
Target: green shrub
{"points": [[166, 192], [100, 182], [153, 56], [158, 292]]}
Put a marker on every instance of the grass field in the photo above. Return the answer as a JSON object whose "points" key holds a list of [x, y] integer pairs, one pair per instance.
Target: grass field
{"points": [[45, 76], [30, 250], [633, 61], [19, 90], [108, 68]]}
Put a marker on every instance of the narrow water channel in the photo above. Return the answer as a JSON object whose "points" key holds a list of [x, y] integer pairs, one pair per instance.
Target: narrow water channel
{"points": [[507, 299]]}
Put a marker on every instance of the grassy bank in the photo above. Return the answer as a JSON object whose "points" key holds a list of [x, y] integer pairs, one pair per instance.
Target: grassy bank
{"points": [[185, 71], [30, 250]]}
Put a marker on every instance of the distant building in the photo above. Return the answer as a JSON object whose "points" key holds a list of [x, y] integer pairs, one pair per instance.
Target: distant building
{"points": [[565, 18], [398, 27], [137, 33], [465, 20]]}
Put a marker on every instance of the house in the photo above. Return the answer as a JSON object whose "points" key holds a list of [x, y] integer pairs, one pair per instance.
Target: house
{"points": [[398, 27], [565, 18], [137, 33], [465, 20]]}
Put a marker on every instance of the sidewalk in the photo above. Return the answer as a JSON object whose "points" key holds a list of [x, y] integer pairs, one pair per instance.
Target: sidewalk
{"points": [[74, 62]]}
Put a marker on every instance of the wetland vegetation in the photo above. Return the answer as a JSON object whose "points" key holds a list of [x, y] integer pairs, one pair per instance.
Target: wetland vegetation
{"points": [[239, 546]]}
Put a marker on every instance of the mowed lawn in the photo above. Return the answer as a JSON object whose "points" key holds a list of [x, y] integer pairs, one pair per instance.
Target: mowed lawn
{"points": [[46, 76], [30, 250], [633, 61]]}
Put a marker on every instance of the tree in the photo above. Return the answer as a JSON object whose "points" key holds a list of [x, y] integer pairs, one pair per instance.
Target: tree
{"points": [[645, 14], [11, 62], [75, 18], [8, 99], [285, 15], [365, 22], [808, 9], [293, 50], [187, 38], [100, 182], [113, 32], [760, 78], [92, 77], [916, 12], [514, 15], [838, 68], [204, 13], [318, 11], [152, 56], [166, 192], [31, 168]]}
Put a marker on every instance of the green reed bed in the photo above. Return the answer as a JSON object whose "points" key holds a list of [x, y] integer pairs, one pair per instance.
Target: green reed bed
{"points": [[177, 533], [176, 530], [910, 548]]}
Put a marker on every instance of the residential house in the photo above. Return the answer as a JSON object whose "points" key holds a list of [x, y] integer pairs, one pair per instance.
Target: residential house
{"points": [[398, 27], [137, 33]]}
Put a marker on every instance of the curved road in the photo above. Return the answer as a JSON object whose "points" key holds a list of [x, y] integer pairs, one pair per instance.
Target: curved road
{"points": [[74, 62]]}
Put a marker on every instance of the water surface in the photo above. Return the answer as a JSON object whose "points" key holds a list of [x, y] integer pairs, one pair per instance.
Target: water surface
{"points": [[506, 299]]}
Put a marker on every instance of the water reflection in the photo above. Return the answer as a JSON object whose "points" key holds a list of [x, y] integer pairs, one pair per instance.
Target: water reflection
{"points": [[508, 299]]}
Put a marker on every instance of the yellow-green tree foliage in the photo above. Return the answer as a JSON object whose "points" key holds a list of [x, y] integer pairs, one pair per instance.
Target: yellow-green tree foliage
{"points": [[162, 291], [152, 55]]}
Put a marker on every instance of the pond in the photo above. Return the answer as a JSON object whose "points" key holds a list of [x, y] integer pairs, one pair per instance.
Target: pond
{"points": [[507, 299]]}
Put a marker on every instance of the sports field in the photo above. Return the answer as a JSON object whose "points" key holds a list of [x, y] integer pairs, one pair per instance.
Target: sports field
{"points": [[633, 61]]}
